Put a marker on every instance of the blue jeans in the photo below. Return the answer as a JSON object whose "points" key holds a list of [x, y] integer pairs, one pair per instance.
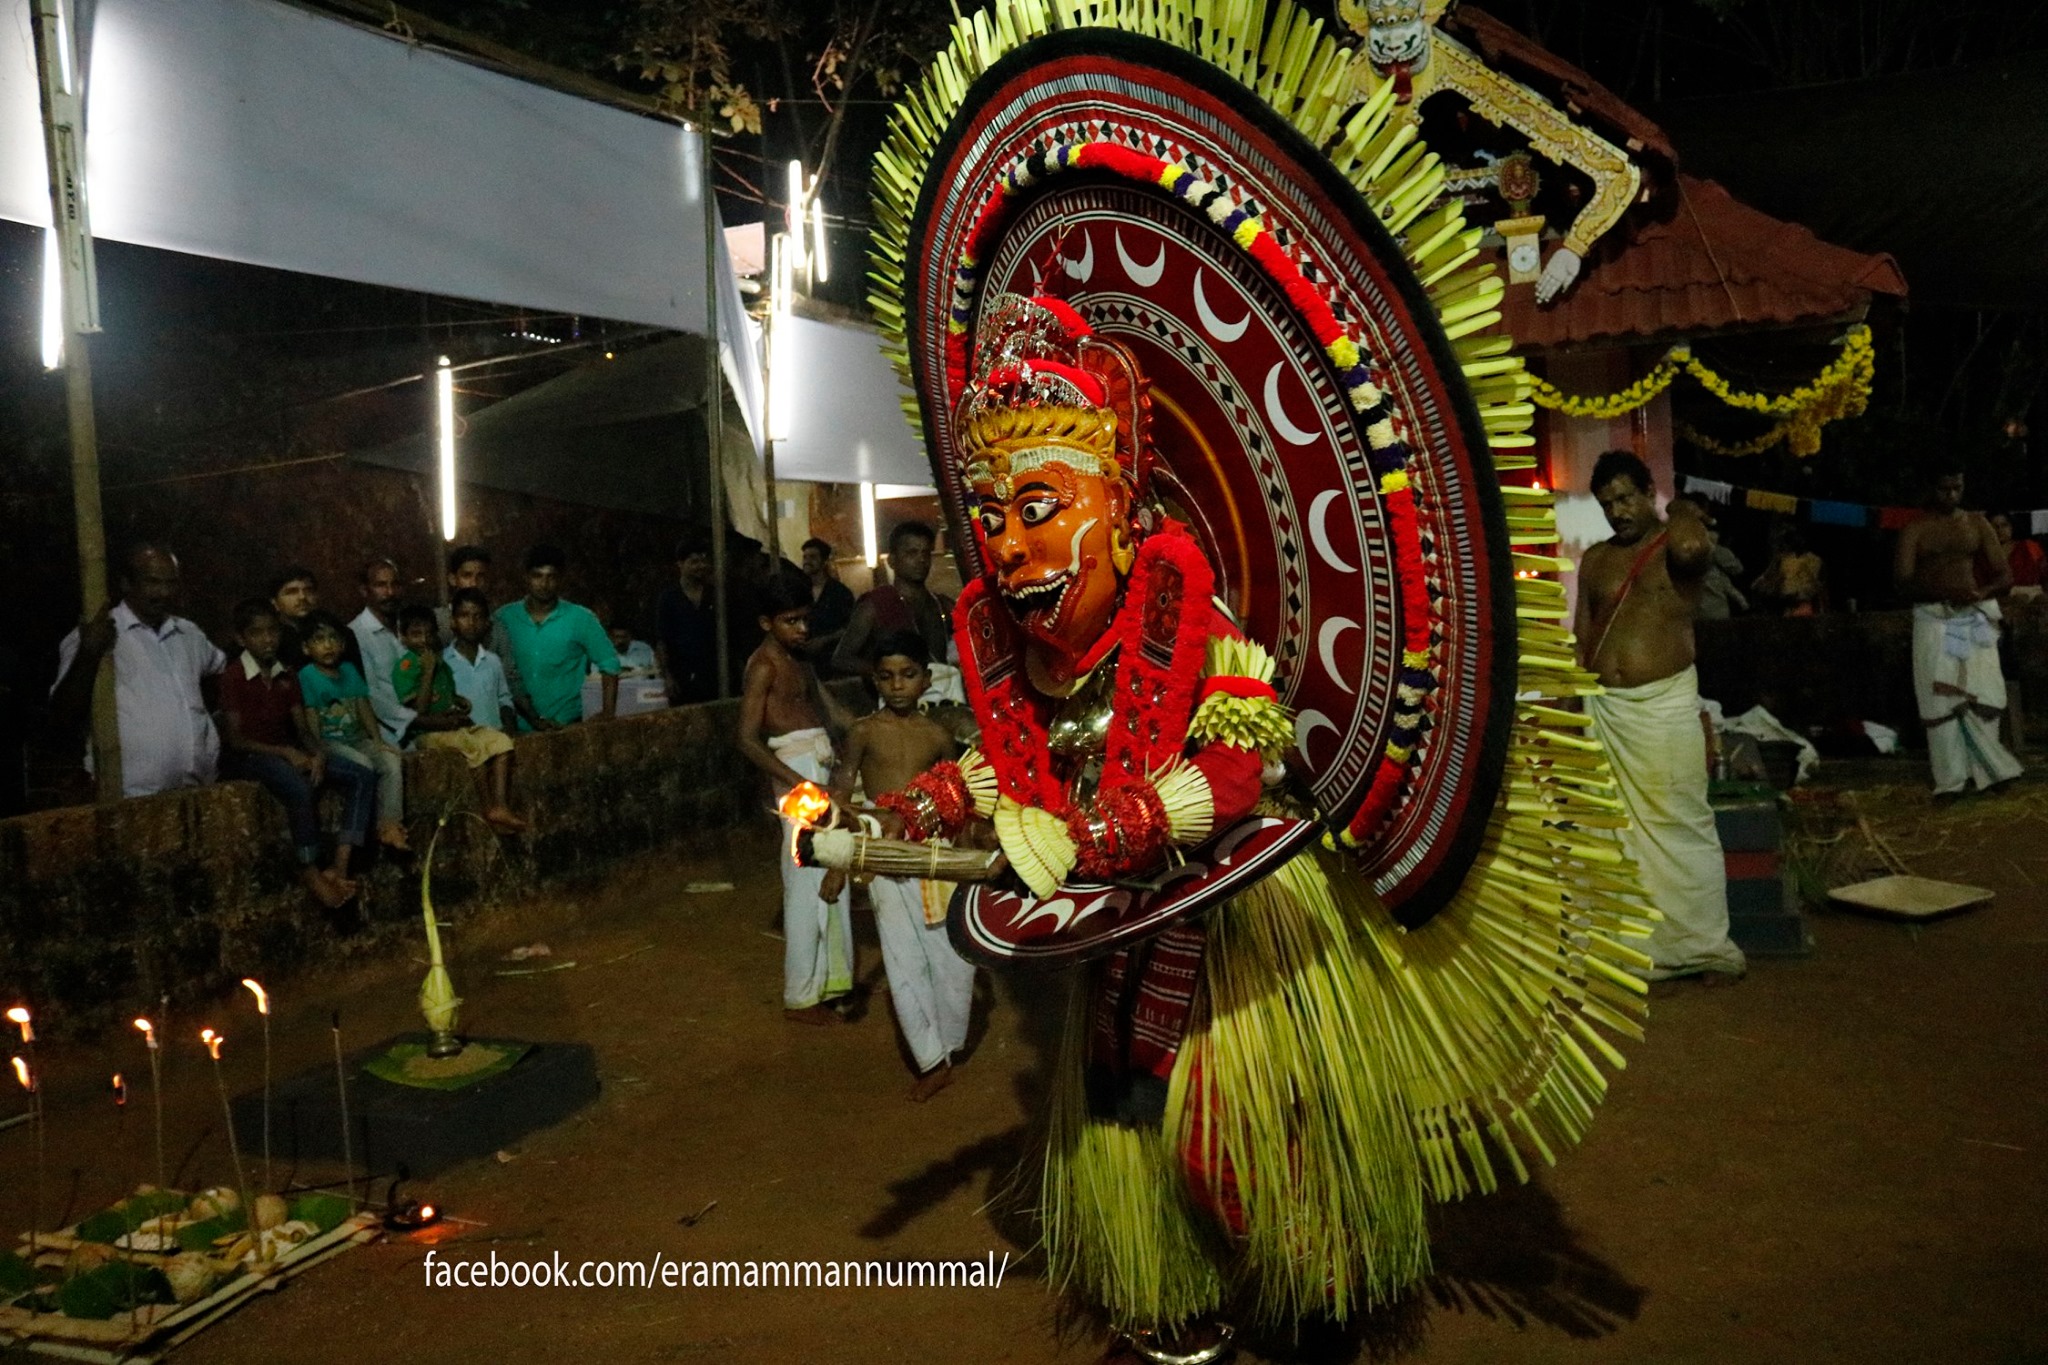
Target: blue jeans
{"points": [[356, 784]]}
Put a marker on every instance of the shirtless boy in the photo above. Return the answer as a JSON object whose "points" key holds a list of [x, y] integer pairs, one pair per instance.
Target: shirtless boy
{"points": [[931, 986], [782, 732], [1956, 676], [1638, 591]]}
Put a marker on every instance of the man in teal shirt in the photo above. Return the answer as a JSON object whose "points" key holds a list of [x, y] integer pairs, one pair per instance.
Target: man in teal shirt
{"points": [[554, 645]]}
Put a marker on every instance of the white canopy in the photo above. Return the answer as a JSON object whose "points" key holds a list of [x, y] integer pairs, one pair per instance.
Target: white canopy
{"points": [[254, 131]]}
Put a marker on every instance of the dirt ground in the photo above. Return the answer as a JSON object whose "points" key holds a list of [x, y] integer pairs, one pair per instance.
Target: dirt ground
{"points": [[1842, 1159]]}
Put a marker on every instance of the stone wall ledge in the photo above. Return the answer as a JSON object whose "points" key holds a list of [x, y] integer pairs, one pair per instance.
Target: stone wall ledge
{"points": [[103, 908]]}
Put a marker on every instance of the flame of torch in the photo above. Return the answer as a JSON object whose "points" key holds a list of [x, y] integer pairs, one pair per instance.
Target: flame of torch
{"points": [[21, 1073], [806, 803], [19, 1017], [213, 1041], [255, 988]]}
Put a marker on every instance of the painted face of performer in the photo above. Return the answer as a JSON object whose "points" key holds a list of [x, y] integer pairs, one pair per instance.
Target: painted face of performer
{"points": [[1051, 546]]}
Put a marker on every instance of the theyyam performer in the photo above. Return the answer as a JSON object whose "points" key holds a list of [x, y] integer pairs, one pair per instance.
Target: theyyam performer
{"points": [[1269, 665]]}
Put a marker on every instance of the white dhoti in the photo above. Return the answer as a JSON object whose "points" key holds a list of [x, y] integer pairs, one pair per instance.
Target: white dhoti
{"points": [[817, 955], [1659, 754], [932, 985], [1961, 691]]}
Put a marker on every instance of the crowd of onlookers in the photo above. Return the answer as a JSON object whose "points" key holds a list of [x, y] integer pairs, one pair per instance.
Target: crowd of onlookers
{"points": [[1794, 581], [303, 701]]}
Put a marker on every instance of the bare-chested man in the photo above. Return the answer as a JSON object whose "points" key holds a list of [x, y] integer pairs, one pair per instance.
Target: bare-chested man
{"points": [[1638, 592], [1950, 565], [782, 732]]}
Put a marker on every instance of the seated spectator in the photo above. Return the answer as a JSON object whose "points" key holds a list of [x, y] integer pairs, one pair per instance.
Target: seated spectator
{"points": [[441, 718], [636, 657], [550, 644], [267, 740], [376, 632], [337, 703], [293, 594], [831, 602], [686, 627], [167, 738], [469, 566], [478, 672]]}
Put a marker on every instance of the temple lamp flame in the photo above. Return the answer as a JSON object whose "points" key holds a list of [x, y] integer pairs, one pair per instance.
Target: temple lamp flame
{"points": [[806, 803], [156, 1092], [213, 1041], [22, 1074], [255, 988], [19, 1017], [803, 806]]}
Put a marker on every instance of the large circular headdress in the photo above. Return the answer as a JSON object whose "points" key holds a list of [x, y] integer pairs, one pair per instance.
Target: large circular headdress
{"points": [[1209, 187]]}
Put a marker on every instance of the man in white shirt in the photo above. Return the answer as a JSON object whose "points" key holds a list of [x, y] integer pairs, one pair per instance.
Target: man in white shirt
{"points": [[167, 738], [376, 631]]}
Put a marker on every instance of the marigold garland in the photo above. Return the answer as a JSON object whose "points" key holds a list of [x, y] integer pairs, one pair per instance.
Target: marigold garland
{"points": [[1841, 390]]}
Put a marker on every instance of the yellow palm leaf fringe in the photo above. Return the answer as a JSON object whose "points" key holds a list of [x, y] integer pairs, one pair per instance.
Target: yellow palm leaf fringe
{"points": [[1841, 390]]}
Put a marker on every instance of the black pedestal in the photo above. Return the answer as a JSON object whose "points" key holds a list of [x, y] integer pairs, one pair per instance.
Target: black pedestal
{"points": [[424, 1130]]}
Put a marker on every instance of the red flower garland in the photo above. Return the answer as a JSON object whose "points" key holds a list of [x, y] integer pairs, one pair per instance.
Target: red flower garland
{"points": [[1153, 700]]}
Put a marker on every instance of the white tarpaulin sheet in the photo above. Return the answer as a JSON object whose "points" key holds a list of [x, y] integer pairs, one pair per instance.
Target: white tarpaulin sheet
{"points": [[844, 415], [252, 131]]}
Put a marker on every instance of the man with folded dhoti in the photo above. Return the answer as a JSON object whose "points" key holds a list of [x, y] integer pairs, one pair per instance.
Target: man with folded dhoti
{"points": [[1638, 591], [783, 714], [1950, 566]]}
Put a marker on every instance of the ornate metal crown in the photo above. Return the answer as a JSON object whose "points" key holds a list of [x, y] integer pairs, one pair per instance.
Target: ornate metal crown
{"points": [[1047, 390]]}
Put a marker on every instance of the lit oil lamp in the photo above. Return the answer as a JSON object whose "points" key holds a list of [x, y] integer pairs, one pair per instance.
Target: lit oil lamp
{"points": [[255, 988], [213, 1039], [156, 1092]]}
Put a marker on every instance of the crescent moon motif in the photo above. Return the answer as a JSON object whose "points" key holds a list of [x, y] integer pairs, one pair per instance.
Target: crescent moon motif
{"points": [[1225, 332], [1227, 850], [1092, 906], [1083, 268], [1307, 723], [1060, 909], [1326, 639], [1276, 413], [1319, 532], [1144, 276]]}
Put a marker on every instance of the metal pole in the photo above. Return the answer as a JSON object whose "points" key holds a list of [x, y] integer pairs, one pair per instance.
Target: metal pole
{"points": [[714, 417], [64, 154]]}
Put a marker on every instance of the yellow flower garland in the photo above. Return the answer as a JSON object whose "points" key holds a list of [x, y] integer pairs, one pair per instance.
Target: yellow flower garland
{"points": [[1841, 390]]}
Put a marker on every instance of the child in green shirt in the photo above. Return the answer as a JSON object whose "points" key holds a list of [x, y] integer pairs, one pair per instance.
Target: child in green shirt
{"points": [[337, 703]]}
